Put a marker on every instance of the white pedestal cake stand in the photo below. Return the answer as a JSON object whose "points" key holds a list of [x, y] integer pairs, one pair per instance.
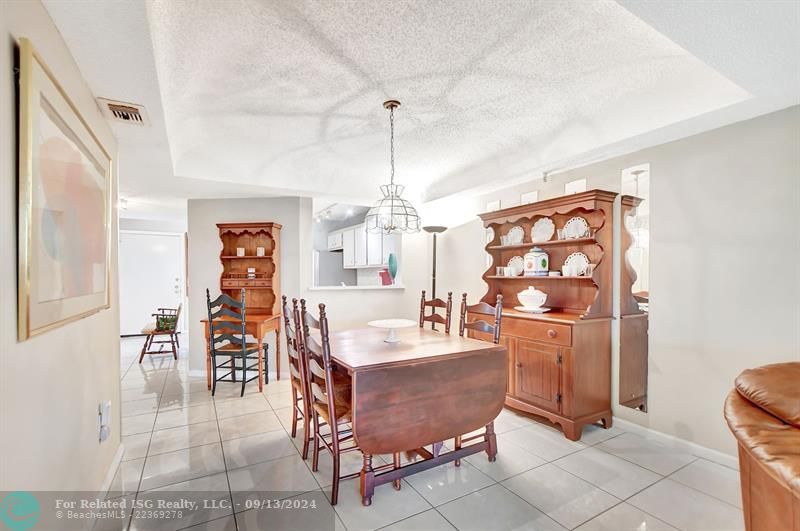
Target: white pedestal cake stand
{"points": [[392, 325]]}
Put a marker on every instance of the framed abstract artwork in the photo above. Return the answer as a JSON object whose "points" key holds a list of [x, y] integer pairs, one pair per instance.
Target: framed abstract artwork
{"points": [[65, 187]]}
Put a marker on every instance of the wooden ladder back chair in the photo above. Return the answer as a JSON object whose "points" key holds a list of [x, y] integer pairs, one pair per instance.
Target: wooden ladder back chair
{"points": [[329, 396], [434, 317], [297, 376], [166, 321], [480, 325], [228, 340]]}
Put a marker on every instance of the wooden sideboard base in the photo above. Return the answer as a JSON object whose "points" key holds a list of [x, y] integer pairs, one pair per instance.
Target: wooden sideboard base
{"points": [[572, 428]]}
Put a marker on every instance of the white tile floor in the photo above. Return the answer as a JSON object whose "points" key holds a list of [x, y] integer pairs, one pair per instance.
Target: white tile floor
{"points": [[179, 440]]}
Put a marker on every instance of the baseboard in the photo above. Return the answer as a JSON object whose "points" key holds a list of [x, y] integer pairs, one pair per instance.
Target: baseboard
{"points": [[709, 454], [112, 471]]}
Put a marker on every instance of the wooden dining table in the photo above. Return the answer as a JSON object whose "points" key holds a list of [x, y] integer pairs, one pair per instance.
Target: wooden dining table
{"points": [[427, 388], [256, 325]]}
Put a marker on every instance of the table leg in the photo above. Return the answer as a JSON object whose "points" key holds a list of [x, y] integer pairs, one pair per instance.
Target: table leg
{"points": [[396, 464], [367, 481], [491, 439], [278, 352], [260, 363]]}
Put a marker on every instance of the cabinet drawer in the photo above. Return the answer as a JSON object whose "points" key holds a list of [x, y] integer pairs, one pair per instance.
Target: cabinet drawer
{"points": [[556, 334]]}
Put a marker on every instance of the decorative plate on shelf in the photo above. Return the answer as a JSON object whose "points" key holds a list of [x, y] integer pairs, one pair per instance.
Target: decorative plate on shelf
{"points": [[529, 309], [516, 235], [518, 264], [576, 227], [577, 263], [542, 230]]}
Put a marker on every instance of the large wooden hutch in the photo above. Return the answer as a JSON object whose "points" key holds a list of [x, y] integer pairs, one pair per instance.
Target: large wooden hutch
{"points": [[559, 362], [258, 275]]}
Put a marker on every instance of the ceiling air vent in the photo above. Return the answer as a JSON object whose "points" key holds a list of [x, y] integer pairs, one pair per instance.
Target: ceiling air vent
{"points": [[118, 111]]}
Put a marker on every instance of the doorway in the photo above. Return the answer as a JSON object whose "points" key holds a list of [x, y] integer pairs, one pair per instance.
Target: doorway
{"points": [[151, 275]]}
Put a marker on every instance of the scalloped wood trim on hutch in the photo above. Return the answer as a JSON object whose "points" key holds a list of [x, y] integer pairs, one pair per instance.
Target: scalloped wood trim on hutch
{"points": [[559, 362], [262, 288]]}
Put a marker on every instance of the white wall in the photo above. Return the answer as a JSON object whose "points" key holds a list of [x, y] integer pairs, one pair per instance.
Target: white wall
{"points": [[346, 309], [50, 385], [152, 225], [205, 267], [725, 244]]}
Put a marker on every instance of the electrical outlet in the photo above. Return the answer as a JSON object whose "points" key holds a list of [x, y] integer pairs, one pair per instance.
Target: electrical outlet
{"points": [[104, 419]]}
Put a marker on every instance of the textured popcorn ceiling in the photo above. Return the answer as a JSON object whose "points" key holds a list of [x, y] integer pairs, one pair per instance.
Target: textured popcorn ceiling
{"points": [[287, 94]]}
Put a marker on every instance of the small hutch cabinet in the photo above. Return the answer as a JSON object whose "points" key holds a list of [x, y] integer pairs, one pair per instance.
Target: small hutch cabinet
{"points": [[243, 266]]}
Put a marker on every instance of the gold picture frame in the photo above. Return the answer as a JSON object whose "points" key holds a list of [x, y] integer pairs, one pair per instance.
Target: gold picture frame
{"points": [[65, 206]]}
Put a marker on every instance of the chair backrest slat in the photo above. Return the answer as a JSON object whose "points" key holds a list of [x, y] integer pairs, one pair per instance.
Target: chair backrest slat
{"points": [[317, 392], [434, 317], [479, 324], [225, 300], [225, 312], [316, 369], [219, 338]]}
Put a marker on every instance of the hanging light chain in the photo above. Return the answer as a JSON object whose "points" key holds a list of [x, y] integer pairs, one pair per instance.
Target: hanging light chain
{"points": [[391, 141]]}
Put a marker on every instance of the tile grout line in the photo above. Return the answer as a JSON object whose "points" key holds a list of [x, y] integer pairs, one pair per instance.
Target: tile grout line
{"points": [[669, 477]]}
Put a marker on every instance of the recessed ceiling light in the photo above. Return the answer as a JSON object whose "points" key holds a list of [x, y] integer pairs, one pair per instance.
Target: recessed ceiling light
{"points": [[349, 212]]}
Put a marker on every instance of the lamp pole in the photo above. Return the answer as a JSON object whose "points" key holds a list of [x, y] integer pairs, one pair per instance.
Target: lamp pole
{"points": [[435, 230]]}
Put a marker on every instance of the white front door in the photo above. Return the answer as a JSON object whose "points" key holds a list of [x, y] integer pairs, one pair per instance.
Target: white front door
{"points": [[151, 275]]}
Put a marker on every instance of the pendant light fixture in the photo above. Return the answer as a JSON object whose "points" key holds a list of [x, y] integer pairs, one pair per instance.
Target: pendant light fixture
{"points": [[392, 213]]}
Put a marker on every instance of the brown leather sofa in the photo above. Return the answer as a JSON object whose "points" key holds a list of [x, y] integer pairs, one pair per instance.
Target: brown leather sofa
{"points": [[763, 412]]}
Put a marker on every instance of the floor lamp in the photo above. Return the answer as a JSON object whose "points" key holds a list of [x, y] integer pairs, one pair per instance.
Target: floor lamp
{"points": [[434, 229]]}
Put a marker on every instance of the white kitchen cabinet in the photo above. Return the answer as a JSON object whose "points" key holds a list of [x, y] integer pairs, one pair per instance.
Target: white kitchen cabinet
{"points": [[349, 247], [364, 249], [361, 245], [375, 249], [335, 240]]}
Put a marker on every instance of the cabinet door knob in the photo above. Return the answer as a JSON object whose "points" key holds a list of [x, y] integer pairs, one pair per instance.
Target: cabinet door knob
{"points": [[551, 333], [518, 364]]}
